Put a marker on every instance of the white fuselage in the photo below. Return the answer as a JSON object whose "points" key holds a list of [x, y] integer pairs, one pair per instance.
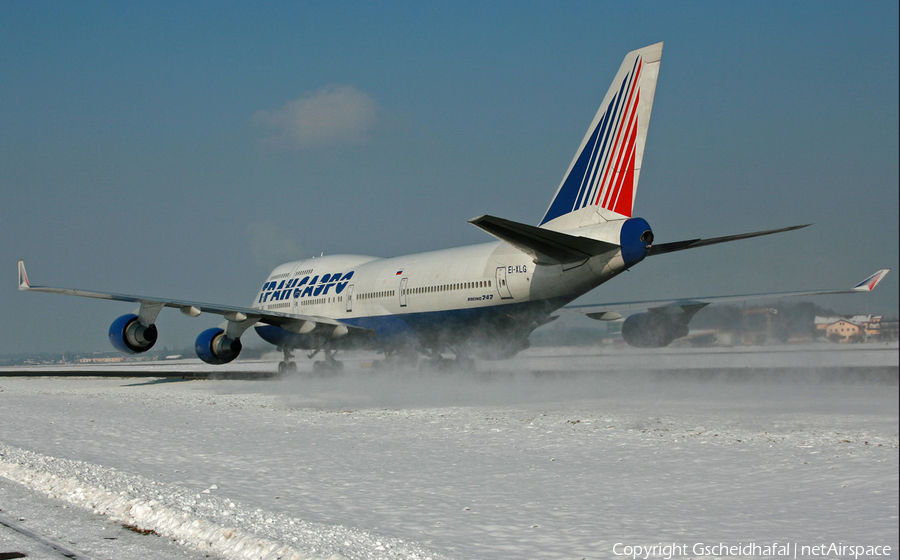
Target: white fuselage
{"points": [[432, 299]]}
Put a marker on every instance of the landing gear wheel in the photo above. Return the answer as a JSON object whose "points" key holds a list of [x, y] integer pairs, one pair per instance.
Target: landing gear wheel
{"points": [[287, 367], [397, 360], [437, 363], [327, 367], [465, 363]]}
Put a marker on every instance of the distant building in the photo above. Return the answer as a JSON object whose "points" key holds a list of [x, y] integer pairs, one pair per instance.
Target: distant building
{"points": [[102, 360], [823, 322], [889, 330], [845, 329]]}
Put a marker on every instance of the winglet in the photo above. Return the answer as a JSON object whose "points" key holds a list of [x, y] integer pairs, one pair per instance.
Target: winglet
{"points": [[23, 277], [869, 283]]}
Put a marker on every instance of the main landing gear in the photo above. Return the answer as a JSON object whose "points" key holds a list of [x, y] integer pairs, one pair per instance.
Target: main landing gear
{"points": [[287, 365], [436, 362], [328, 366], [397, 359]]}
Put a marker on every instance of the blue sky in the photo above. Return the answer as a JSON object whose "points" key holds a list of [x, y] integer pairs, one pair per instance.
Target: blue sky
{"points": [[184, 149]]}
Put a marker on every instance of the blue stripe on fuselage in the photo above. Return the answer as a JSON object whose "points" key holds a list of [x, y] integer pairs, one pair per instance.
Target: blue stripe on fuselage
{"points": [[457, 323]]}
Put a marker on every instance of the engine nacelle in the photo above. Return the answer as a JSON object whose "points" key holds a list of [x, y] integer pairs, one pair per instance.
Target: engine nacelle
{"points": [[128, 335], [652, 330], [213, 347]]}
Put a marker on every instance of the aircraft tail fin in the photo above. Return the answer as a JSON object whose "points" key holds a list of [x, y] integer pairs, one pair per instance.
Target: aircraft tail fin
{"points": [[603, 176]]}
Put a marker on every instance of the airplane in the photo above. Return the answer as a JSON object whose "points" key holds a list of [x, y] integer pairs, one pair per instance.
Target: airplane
{"points": [[475, 301]]}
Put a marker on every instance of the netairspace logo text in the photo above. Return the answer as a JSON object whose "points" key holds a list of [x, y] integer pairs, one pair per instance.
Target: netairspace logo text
{"points": [[784, 550]]}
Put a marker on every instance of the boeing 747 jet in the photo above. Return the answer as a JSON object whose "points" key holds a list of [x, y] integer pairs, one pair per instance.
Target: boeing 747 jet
{"points": [[476, 301]]}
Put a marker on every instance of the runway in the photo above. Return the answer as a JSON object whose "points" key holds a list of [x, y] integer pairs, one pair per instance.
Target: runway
{"points": [[559, 453], [852, 363]]}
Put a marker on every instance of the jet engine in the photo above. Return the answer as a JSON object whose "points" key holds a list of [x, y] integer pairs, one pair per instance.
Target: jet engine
{"points": [[213, 347], [652, 330], [128, 335]]}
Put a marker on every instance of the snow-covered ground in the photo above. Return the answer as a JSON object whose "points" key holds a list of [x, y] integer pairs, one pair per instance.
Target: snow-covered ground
{"points": [[558, 453]]}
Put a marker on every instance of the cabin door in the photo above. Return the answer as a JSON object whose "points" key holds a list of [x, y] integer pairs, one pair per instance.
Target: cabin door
{"points": [[502, 286], [349, 291], [403, 282]]}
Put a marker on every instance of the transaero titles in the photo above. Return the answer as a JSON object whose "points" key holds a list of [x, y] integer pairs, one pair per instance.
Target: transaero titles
{"points": [[784, 550], [313, 286]]}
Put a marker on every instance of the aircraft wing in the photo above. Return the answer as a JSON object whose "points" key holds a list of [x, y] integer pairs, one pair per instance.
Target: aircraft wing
{"points": [[609, 311], [289, 321], [663, 248]]}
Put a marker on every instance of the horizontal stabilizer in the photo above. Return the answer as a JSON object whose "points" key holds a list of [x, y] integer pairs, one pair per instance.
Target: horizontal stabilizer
{"points": [[663, 248], [545, 246]]}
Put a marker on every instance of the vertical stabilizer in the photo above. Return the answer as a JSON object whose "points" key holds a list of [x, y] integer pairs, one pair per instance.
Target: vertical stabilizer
{"points": [[601, 181]]}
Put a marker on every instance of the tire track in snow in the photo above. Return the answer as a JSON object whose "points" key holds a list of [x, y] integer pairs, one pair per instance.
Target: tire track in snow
{"points": [[43, 541], [59, 478]]}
